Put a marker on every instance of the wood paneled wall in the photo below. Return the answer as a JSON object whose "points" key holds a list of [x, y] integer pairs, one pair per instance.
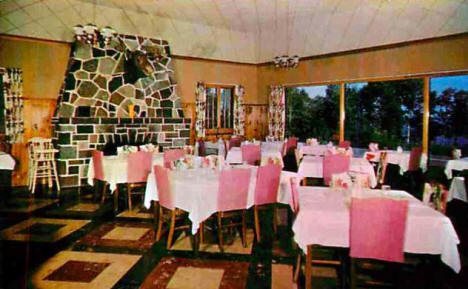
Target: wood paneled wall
{"points": [[43, 64]]}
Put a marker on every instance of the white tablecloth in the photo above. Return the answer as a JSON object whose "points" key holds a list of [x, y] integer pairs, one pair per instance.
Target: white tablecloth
{"points": [[393, 157], [457, 190], [458, 165], [323, 219], [234, 155], [115, 169], [6, 161], [273, 146], [312, 167], [318, 150], [195, 191]]}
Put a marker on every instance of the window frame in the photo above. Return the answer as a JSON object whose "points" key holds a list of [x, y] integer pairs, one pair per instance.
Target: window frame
{"points": [[218, 129]]}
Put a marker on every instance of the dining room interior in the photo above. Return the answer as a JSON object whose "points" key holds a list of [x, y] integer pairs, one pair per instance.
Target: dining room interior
{"points": [[187, 144]]}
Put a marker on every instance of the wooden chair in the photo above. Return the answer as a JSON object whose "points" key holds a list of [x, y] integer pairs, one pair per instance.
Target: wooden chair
{"points": [[377, 232], [201, 148], [166, 204], [138, 169], [233, 191], [381, 168], [266, 192], [42, 163]]}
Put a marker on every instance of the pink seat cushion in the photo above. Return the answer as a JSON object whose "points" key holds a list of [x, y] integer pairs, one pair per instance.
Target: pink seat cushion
{"points": [[166, 199], [172, 156], [334, 164], [97, 165], [139, 166], [377, 228], [233, 189], [268, 179], [251, 153]]}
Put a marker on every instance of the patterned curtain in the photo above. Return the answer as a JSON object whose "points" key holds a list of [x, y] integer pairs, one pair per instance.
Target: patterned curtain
{"points": [[12, 89], [239, 115], [276, 112], [200, 94]]}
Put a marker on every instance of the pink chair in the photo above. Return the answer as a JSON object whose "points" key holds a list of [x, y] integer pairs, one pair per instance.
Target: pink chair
{"points": [[99, 174], [415, 159], [233, 192], [138, 169], [291, 143], [251, 154], [377, 231], [166, 203], [266, 192], [235, 142], [334, 164], [344, 144], [172, 155]]}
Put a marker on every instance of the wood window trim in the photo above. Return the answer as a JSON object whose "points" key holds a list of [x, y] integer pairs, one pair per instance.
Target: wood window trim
{"points": [[219, 129]]}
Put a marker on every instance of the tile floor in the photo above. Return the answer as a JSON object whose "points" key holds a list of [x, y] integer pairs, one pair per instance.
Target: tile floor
{"points": [[74, 244]]}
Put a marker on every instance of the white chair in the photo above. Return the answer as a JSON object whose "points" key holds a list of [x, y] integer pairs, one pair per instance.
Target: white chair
{"points": [[42, 163]]}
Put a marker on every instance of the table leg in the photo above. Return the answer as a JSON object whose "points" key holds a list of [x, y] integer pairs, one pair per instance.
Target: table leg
{"points": [[308, 268]]}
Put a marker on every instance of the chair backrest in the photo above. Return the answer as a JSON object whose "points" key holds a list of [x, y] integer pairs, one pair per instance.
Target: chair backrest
{"points": [[266, 188], [291, 143], [97, 165], [344, 144], [233, 189], [201, 148], [415, 159], [235, 142], [172, 155], [294, 196], [334, 164], [165, 196], [251, 153], [377, 228], [139, 166]]}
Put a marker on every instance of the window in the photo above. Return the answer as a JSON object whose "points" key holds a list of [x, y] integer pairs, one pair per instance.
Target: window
{"points": [[219, 107], [448, 128], [387, 112], [313, 111]]}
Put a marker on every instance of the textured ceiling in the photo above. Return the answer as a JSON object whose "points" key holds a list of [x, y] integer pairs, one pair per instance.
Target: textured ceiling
{"points": [[251, 31]]}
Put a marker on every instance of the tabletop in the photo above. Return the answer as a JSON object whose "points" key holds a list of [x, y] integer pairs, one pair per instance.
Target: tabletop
{"points": [[323, 219], [312, 167]]}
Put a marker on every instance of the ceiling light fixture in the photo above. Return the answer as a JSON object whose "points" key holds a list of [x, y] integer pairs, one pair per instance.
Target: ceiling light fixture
{"points": [[286, 61]]}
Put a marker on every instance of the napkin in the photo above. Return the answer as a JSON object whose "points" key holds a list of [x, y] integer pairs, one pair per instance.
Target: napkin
{"points": [[399, 149]]}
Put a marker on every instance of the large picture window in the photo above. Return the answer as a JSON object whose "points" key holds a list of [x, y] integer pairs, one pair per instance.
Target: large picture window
{"points": [[219, 107], [313, 111]]}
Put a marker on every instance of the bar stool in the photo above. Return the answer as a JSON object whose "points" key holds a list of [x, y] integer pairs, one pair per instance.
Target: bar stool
{"points": [[42, 163]]}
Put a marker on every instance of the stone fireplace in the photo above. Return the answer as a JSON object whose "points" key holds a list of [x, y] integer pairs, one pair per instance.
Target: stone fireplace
{"points": [[121, 93]]}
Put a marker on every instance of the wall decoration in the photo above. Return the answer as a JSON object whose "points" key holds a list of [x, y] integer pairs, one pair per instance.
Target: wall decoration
{"points": [[11, 104]]}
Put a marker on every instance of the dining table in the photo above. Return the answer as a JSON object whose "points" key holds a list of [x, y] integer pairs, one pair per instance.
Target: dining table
{"points": [[458, 165], [115, 169], [273, 146], [400, 159], [312, 167], [316, 150], [324, 219], [234, 156], [195, 191]]}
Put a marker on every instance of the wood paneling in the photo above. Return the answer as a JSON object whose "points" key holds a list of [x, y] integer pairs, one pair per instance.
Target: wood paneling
{"points": [[256, 121]]}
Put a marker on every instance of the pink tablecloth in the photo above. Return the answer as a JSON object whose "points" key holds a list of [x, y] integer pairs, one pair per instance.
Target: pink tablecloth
{"points": [[195, 191], [312, 167], [323, 219]]}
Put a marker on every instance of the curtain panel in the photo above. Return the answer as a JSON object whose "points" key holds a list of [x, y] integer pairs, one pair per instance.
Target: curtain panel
{"points": [[239, 114], [11, 84], [276, 112], [200, 96]]}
